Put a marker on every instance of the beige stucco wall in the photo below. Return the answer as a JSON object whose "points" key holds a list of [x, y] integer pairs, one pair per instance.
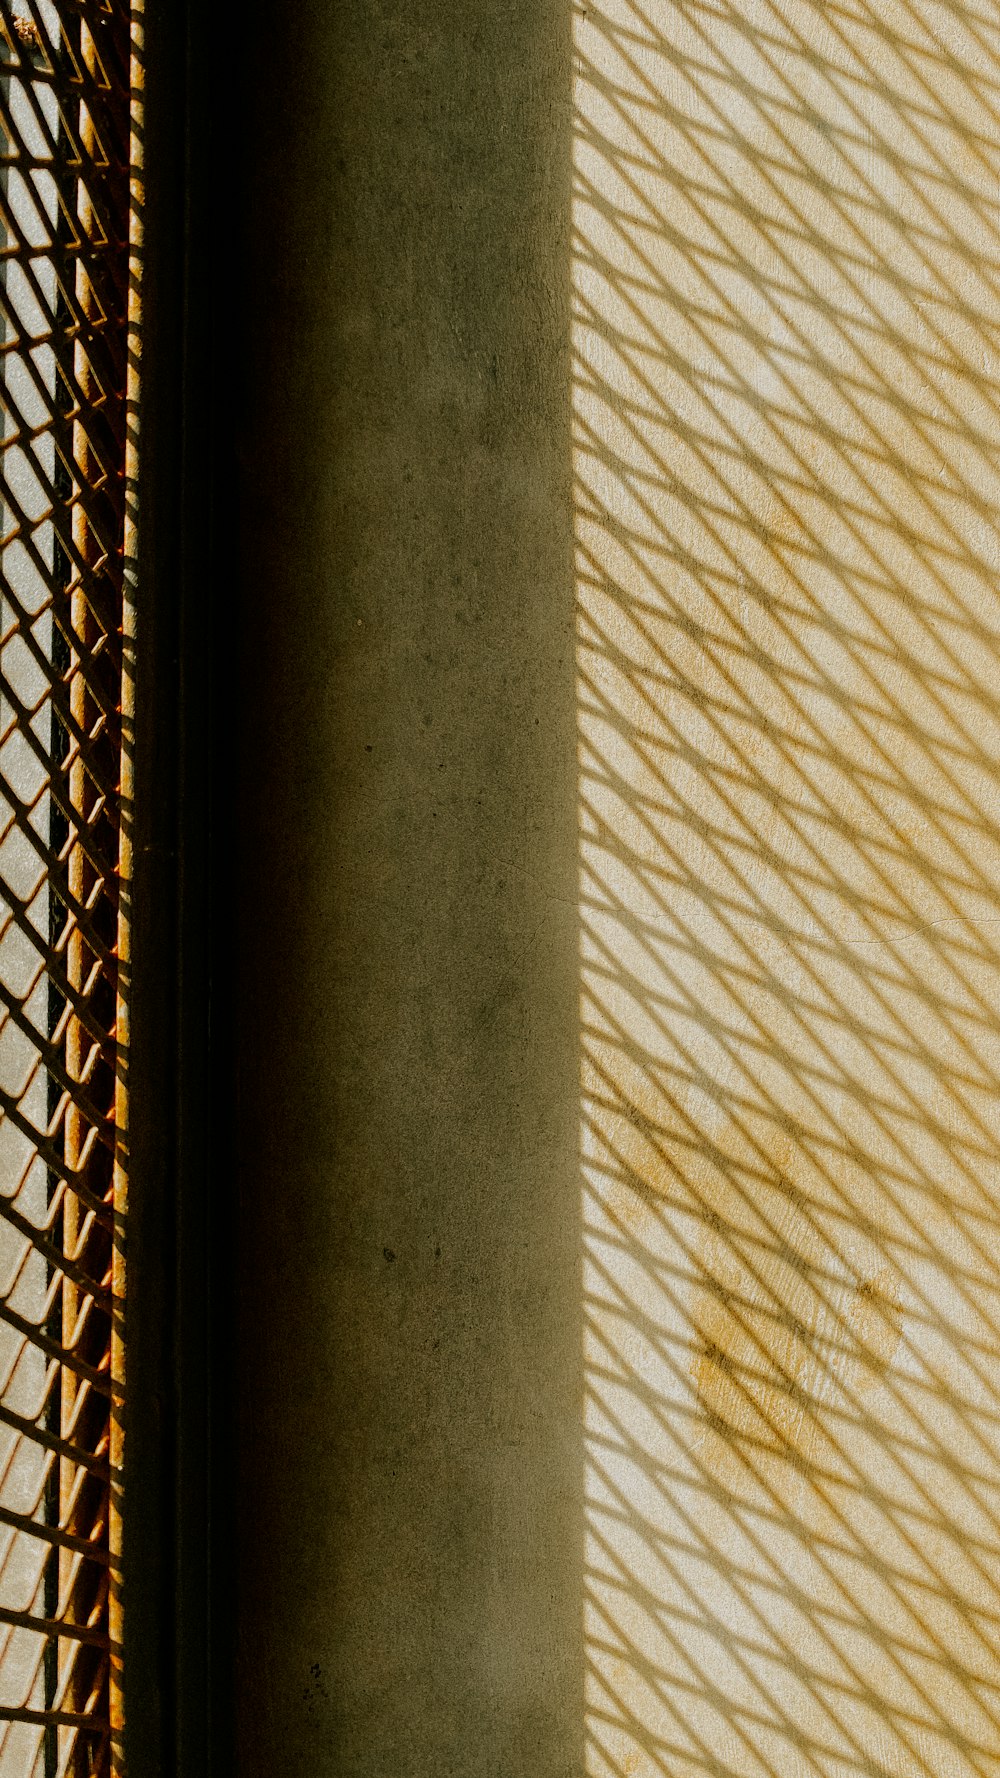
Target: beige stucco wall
{"points": [[670, 1446], [787, 430]]}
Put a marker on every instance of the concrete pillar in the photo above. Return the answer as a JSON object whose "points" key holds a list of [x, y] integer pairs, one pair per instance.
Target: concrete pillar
{"points": [[410, 1294]]}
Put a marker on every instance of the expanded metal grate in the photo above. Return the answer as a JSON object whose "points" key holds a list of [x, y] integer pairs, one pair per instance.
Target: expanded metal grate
{"points": [[64, 272]]}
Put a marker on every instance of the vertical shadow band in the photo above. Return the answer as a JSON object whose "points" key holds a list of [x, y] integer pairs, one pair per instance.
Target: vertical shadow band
{"points": [[410, 1370]]}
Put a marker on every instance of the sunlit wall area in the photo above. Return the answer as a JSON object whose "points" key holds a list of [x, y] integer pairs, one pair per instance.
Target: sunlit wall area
{"points": [[786, 282]]}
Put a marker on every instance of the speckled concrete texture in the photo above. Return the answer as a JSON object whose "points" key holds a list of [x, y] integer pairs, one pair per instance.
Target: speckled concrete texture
{"points": [[411, 1385]]}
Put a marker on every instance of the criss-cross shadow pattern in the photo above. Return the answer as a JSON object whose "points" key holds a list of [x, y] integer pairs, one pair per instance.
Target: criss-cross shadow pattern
{"points": [[786, 283]]}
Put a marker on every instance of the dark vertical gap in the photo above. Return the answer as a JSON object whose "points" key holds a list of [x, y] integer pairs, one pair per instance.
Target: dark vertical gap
{"points": [[178, 1531], [206, 1237]]}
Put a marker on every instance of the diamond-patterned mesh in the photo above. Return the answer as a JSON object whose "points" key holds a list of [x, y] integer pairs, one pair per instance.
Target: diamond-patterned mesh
{"points": [[64, 173]]}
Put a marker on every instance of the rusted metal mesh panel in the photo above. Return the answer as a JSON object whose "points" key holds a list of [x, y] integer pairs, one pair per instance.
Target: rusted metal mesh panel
{"points": [[64, 269]]}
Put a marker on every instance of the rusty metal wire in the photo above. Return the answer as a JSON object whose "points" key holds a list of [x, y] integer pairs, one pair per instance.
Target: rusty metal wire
{"points": [[64, 273]]}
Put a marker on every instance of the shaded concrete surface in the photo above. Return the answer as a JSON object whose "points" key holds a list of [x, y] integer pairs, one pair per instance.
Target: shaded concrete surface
{"points": [[410, 1387]]}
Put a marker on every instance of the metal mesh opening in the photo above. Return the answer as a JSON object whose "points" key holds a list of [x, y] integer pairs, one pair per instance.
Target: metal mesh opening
{"points": [[64, 271]]}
